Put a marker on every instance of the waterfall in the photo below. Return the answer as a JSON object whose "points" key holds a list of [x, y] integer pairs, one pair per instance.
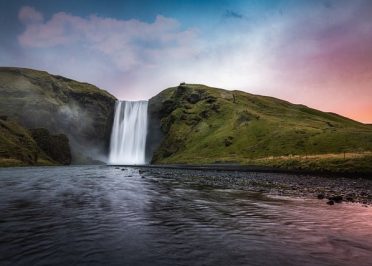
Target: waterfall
{"points": [[128, 137]]}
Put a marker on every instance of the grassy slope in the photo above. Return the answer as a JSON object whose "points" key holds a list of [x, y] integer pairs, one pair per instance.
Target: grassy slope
{"points": [[34, 91], [17, 147], [234, 126], [37, 99]]}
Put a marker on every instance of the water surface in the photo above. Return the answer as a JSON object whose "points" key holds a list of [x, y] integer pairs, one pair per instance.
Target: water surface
{"points": [[100, 215]]}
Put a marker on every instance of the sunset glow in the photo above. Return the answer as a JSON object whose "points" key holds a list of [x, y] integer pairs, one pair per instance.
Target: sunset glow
{"points": [[316, 53]]}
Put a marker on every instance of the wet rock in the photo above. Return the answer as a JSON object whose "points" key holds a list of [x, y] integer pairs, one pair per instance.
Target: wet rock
{"points": [[337, 199], [330, 202], [321, 196], [349, 198]]}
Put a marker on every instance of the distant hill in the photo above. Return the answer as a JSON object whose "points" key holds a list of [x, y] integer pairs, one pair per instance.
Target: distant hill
{"points": [[199, 124], [81, 111]]}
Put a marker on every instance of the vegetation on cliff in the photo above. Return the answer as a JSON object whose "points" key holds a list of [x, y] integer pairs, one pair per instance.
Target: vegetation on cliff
{"points": [[55, 146], [20, 146], [81, 111], [189, 123], [200, 124]]}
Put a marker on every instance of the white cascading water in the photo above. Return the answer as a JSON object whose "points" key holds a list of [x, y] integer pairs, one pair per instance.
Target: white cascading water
{"points": [[128, 137]]}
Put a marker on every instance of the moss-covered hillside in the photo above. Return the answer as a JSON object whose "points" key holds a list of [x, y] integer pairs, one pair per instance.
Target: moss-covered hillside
{"points": [[37, 99], [200, 124], [20, 146]]}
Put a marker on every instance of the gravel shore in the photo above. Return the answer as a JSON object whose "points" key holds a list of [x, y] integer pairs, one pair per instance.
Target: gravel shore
{"points": [[330, 189]]}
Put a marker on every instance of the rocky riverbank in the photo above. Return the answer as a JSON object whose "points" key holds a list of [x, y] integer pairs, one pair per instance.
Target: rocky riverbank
{"points": [[331, 190]]}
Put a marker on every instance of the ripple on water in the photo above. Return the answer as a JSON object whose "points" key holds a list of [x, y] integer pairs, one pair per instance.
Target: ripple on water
{"points": [[102, 215]]}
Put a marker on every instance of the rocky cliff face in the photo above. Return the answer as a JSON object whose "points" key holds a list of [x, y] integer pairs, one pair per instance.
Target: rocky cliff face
{"points": [[81, 111], [20, 146], [54, 146]]}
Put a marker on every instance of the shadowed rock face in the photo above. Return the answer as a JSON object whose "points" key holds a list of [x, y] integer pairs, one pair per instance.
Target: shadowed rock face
{"points": [[155, 135], [83, 112], [54, 146], [21, 146]]}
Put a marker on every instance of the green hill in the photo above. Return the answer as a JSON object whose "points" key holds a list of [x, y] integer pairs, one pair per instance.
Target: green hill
{"points": [[190, 123], [81, 111], [200, 124]]}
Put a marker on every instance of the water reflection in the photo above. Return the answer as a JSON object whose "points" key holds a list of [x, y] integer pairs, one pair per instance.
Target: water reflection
{"points": [[104, 215]]}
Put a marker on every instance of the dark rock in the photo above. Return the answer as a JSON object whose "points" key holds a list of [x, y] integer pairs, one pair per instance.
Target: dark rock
{"points": [[321, 196], [216, 108], [330, 202], [167, 107], [193, 120], [181, 91], [228, 141], [204, 114], [337, 199], [55, 146], [210, 99], [193, 98], [350, 199]]}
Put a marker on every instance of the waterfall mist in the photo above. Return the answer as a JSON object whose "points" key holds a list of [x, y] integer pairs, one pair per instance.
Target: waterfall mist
{"points": [[128, 137]]}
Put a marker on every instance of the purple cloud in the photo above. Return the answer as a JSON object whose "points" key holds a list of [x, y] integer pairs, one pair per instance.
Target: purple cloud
{"points": [[126, 43], [321, 57], [29, 15]]}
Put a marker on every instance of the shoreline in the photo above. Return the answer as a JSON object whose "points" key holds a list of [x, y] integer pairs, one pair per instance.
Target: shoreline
{"points": [[332, 189], [249, 168]]}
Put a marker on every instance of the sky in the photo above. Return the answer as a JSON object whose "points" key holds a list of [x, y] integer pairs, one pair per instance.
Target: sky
{"points": [[315, 52]]}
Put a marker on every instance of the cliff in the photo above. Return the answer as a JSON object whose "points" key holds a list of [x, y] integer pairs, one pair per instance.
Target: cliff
{"points": [[81, 111], [20, 146]]}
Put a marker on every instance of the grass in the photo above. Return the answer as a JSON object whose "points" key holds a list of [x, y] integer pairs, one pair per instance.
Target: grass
{"points": [[37, 99], [11, 162], [351, 163], [18, 148], [235, 126]]}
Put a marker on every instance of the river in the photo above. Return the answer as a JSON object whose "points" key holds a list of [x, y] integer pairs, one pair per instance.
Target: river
{"points": [[101, 215]]}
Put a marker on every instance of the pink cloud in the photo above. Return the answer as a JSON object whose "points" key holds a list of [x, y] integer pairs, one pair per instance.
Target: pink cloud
{"points": [[321, 58], [28, 15], [127, 43]]}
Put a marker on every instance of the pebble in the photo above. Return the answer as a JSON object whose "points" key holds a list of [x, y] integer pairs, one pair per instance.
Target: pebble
{"points": [[337, 199], [335, 189]]}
